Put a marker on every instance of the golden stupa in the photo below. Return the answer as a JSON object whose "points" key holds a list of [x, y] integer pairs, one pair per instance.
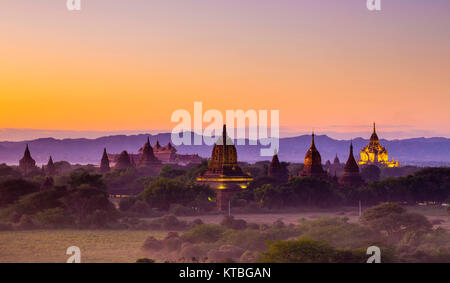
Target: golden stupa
{"points": [[376, 154]]}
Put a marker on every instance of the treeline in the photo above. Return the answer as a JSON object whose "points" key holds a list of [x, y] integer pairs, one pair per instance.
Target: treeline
{"points": [[426, 185], [81, 198], [82, 202]]}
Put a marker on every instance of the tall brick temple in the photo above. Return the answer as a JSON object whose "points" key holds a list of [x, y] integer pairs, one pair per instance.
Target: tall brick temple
{"points": [[224, 174]]}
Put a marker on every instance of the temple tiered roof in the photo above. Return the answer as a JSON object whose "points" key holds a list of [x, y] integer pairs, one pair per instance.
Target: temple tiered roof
{"points": [[313, 163], [27, 164], [104, 164], [351, 176], [375, 154]]}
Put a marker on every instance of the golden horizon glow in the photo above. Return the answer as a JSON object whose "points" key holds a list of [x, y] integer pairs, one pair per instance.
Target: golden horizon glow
{"points": [[113, 68]]}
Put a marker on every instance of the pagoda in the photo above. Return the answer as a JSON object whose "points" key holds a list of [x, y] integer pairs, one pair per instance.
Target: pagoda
{"points": [[224, 174], [50, 169], [104, 163], [277, 171], [167, 154], [336, 161], [313, 163], [123, 161], [147, 159], [351, 176], [376, 154], [27, 164]]}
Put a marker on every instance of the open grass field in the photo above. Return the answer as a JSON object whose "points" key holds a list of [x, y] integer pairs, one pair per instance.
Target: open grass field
{"points": [[352, 213], [51, 245], [125, 245]]}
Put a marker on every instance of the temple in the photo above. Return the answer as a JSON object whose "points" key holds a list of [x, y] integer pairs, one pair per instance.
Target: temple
{"points": [[27, 164], [224, 174], [313, 163], [104, 163], [50, 169], [351, 176], [375, 154], [147, 159], [123, 161], [277, 171], [166, 154]]}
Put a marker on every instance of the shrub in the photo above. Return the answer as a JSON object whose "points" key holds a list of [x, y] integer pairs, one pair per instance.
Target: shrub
{"points": [[179, 209], [237, 224], [126, 203], [172, 242], [54, 217], [339, 233], [167, 222], [102, 218], [151, 243], [145, 260], [309, 251], [246, 239], [140, 207], [204, 233], [225, 252], [196, 222]]}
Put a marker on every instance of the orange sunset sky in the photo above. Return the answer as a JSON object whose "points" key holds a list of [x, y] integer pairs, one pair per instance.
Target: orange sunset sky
{"points": [[332, 66]]}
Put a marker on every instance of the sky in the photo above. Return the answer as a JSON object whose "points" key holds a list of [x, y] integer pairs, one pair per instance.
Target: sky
{"points": [[121, 66]]}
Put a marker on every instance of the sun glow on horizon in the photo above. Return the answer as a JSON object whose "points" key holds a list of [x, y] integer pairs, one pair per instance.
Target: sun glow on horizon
{"points": [[117, 66]]}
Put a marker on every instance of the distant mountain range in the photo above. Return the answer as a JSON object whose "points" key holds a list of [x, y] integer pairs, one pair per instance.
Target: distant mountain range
{"points": [[416, 151]]}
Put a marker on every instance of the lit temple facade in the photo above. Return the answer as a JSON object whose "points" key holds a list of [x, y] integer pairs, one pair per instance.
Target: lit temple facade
{"points": [[375, 154], [224, 174], [313, 163]]}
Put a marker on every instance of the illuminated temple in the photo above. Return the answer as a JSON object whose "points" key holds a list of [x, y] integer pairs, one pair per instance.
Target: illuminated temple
{"points": [[376, 154], [313, 163], [224, 174]]}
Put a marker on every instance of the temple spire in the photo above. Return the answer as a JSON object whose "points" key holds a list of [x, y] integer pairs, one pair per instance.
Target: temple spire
{"points": [[374, 131], [224, 134], [104, 163], [27, 152], [351, 148]]}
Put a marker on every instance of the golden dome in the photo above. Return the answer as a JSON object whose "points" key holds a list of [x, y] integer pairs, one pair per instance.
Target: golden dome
{"points": [[313, 163], [312, 157]]}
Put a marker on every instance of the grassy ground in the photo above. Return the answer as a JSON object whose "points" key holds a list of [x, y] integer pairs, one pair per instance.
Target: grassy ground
{"points": [[124, 246], [352, 213], [51, 245]]}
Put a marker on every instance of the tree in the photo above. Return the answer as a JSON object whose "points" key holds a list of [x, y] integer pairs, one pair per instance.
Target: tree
{"points": [[164, 192], [168, 172], [39, 201], [84, 201], [81, 177], [12, 190], [393, 219], [370, 173], [54, 217], [308, 251], [268, 196]]}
